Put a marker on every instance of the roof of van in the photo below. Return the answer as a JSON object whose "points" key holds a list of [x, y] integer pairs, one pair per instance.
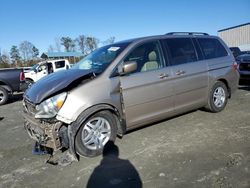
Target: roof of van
{"points": [[170, 35]]}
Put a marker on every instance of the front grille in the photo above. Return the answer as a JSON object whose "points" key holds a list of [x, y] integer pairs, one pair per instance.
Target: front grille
{"points": [[244, 67], [29, 107]]}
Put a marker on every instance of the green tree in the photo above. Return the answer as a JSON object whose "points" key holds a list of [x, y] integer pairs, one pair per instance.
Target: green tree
{"points": [[14, 54], [35, 52], [68, 44], [4, 60]]}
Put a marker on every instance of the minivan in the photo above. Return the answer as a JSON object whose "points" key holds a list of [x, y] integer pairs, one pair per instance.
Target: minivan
{"points": [[126, 85]]}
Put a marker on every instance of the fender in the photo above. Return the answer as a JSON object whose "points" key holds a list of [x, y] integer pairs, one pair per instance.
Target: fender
{"points": [[75, 126], [6, 86]]}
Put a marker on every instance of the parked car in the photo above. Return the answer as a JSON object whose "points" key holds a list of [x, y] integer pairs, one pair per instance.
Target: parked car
{"points": [[244, 68], [236, 51], [11, 80], [44, 68], [126, 85], [26, 69]]}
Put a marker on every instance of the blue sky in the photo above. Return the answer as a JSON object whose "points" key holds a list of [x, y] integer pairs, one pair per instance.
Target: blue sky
{"points": [[41, 21]]}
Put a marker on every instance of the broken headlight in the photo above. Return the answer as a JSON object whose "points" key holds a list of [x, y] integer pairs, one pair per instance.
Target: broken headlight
{"points": [[50, 107]]}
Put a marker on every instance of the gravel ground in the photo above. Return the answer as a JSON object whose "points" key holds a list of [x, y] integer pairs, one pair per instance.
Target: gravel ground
{"points": [[198, 149]]}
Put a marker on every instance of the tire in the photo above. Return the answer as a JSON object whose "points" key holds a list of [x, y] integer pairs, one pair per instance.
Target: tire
{"points": [[218, 97], [91, 137], [4, 96], [29, 82]]}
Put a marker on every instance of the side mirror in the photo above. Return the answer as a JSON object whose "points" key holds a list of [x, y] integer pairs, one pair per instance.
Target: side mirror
{"points": [[127, 67]]}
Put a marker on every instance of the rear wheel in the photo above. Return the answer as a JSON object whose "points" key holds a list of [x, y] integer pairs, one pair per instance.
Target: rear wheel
{"points": [[218, 97], [3, 95], [94, 133]]}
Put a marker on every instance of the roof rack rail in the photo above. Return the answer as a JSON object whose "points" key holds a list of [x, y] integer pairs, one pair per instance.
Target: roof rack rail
{"points": [[186, 33]]}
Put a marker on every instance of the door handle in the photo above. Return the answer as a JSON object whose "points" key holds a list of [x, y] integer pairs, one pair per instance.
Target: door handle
{"points": [[163, 75], [180, 72]]}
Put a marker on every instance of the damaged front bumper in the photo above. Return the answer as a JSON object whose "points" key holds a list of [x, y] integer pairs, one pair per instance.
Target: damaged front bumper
{"points": [[51, 135]]}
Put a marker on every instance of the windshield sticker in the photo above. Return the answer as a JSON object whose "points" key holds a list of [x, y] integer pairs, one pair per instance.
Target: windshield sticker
{"points": [[113, 49]]}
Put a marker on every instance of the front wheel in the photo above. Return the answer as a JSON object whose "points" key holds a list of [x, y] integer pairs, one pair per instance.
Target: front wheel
{"points": [[94, 133], [218, 97]]}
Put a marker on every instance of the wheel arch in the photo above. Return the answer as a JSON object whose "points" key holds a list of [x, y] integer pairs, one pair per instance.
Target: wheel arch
{"points": [[29, 79], [6, 86], [75, 126], [227, 85]]}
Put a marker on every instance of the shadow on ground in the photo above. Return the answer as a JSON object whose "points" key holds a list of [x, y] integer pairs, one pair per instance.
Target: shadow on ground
{"points": [[1, 118], [15, 97], [246, 88], [113, 171]]}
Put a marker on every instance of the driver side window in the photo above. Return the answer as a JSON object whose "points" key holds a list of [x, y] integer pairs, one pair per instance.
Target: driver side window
{"points": [[147, 56]]}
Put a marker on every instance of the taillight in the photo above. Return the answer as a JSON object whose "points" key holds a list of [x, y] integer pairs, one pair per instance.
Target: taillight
{"points": [[235, 66], [22, 76]]}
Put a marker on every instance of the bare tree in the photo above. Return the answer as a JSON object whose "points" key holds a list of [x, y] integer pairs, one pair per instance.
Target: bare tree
{"points": [[72, 47], [57, 44], [51, 48], [26, 49], [110, 40], [81, 41], [91, 44]]}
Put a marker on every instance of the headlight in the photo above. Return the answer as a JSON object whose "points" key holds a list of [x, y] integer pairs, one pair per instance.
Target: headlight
{"points": [[51, 106]]}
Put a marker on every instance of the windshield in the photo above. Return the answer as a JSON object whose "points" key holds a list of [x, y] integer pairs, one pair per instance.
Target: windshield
{"points": [[101, 58], [34, 67]]}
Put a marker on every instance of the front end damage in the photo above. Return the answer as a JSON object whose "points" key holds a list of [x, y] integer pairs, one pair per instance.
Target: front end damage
{"points": [[49, 135], [43, 101], [52, 134]]}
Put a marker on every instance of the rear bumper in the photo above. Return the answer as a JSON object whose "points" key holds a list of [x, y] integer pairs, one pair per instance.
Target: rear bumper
{"points": [[23, 86]]}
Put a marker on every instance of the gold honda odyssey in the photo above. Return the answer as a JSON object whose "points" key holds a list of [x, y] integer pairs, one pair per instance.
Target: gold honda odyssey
{"points": [[126, 85]]}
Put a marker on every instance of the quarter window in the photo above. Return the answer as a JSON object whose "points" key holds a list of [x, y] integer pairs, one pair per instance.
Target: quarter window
{"points": [[212, 48], [181, 50], [147, 57]]}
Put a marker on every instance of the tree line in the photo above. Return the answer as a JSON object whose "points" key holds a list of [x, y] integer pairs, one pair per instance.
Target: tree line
{"points": [[27, 54]]}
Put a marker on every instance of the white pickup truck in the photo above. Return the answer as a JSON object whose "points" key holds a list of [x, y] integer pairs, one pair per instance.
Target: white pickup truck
{"points": [[44, 68]]}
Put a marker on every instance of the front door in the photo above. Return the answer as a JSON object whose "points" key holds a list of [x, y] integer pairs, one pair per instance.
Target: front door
{"points": [[41, 71], [148, 92]]}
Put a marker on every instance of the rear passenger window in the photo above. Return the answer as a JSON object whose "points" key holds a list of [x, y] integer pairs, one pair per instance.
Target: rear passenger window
{"points": [[181, 50], [60, 64], [212, 48]]}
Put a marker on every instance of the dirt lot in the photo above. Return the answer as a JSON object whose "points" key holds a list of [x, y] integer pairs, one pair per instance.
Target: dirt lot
{"points": [[198, 149]]}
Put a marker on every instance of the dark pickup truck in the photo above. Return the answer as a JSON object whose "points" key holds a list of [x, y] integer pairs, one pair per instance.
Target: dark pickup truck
{"points": [[11, 80], [243, 62]]}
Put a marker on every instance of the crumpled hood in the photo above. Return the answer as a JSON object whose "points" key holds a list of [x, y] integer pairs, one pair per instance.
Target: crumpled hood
{"points": [[244, 57], [54, 83]]}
